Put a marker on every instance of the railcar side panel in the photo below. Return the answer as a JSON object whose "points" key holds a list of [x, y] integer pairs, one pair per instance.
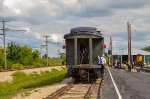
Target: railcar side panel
{"points": [[69, 52], [97, 49]]}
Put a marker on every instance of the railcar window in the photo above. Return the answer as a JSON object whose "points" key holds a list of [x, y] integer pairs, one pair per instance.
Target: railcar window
{"points": [[84, 51]]}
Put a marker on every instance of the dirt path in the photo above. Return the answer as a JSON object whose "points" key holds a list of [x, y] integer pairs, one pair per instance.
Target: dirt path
{"points": [[6, 76]]}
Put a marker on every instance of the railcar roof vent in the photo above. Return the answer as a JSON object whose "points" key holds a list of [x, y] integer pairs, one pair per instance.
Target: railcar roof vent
{"points": [[83, 30]]}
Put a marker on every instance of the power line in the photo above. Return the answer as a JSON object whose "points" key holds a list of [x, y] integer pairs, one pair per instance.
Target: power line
{"points": [[137, 13], [4, 39], [87, 10], [34, 39]]}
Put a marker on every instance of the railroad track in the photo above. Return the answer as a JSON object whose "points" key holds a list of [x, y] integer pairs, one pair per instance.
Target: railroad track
{"points": [[78, 91]]}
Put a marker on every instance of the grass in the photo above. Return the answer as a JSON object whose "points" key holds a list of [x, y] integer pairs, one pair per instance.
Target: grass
{"points": [[22, 81]]}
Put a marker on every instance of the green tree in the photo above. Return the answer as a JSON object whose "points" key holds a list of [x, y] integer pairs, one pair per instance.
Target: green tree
{"points": [[26, 55], [13, 52], [146, 48], [36, 55], [1, 57], [22, 54], [45, 56], [63, 55]]}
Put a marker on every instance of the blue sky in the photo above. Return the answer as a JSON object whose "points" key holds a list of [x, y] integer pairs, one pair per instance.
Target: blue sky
{"points": [[56, 17]]}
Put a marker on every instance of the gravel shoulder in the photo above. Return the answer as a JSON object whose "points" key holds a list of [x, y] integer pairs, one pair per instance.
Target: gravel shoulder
{"points": [[6, 76]]}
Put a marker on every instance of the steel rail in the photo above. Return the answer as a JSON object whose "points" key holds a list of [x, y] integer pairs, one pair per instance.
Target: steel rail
{"points": [[60, 92], [93, 91], [89, 92], [91, 88]]}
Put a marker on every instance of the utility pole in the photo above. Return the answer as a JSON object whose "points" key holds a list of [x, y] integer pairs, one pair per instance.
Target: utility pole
{"points": [[111, 58], [4, 39], [129, 43], [58, 53], [46, 44]]}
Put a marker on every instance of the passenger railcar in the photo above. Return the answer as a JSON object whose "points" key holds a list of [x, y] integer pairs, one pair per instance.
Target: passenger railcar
{"points": [[83, 45]]}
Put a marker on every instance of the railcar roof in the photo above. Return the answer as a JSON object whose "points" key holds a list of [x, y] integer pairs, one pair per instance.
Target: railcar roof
{"points": [[84, 31]]}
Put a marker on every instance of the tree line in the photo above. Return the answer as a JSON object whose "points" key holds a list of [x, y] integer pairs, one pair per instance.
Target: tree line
{"points": [[147, 48], [25, 57]]}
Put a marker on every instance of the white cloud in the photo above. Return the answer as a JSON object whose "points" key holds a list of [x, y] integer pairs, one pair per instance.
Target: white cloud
{"points": [[54, 37], [56, 17], [69, 2]]}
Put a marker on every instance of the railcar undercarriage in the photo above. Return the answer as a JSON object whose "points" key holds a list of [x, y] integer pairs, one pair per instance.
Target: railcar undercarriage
{"points": [[84, 73]]}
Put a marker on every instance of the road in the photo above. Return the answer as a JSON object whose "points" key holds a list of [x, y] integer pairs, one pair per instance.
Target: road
{"points": [[129, 85]]}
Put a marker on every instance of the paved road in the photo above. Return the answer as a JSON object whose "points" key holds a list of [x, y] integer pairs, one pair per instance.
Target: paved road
{"points": [[131, 85]]}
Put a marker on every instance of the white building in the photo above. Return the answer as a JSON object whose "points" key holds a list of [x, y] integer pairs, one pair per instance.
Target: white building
{"points": [[122, 55]]}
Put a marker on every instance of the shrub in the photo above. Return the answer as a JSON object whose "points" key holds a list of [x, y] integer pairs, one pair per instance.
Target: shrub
{"points": [[16, 66], [55, 62], [37, 64], [9, 64]]}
